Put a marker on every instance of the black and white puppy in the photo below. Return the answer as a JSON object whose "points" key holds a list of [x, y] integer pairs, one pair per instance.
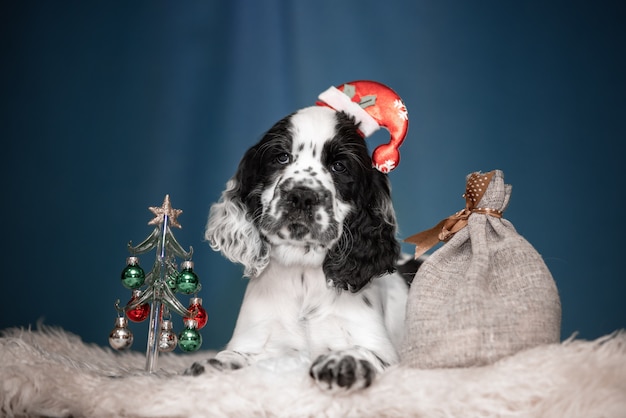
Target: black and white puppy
{"points": [[313, 224]]}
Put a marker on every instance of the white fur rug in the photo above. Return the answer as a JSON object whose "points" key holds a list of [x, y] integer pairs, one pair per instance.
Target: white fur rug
{"points": [[53, 373]]}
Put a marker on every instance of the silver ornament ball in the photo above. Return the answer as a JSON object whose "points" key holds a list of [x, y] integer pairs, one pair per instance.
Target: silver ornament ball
{"points": [[120, 337], [168, 340]]}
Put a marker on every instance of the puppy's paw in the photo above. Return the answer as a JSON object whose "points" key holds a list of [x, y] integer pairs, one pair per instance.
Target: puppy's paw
{"points": [[342, 370], [195, 369], [224, 360]]}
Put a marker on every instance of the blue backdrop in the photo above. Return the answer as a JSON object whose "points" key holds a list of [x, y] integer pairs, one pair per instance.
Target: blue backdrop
{"points": [[108, 106]]}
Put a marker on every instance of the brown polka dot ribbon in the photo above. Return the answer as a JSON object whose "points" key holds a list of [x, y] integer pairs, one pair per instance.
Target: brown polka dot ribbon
{"points": [[474, 190]]}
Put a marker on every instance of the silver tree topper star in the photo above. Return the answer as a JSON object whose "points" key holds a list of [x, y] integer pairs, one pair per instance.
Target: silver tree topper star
{"points": [[165, 210]]}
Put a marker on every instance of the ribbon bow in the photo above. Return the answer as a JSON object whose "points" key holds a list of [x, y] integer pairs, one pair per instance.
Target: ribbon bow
{"points": [[474, 191]]}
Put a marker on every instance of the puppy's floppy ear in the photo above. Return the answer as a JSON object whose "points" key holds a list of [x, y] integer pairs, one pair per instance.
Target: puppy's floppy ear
{"points": [[230, 228], [368, 247]]}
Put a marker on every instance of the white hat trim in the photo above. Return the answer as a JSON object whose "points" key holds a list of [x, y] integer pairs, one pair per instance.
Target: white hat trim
{"points": [[339, 101]]}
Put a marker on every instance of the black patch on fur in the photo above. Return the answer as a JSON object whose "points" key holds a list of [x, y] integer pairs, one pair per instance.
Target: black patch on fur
{"points": [[312, 311], [408, 268], [259, 166], [195, 369], [216, 363], [224, 366], [346, 372], [368, 372], [381, 361], [370, 230], [297, 231], [326, 374]]}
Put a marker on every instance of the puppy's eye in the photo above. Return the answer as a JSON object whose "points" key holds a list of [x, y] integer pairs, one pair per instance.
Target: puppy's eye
{"points": [[338, 167], [283, 158]]}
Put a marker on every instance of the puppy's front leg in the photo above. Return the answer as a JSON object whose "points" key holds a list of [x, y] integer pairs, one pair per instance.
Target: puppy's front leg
{"points": [[265, 329], [247, 346], [355, 346]]}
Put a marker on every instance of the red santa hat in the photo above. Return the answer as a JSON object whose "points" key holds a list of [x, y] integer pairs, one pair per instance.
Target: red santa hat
{"points": [[373, 105]]}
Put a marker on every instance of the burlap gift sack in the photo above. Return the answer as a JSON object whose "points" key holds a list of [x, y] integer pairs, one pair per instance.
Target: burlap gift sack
{"points": [[485, 294]]}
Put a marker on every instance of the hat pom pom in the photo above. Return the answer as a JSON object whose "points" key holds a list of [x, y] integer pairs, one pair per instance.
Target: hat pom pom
{"points": [[385, 158]]}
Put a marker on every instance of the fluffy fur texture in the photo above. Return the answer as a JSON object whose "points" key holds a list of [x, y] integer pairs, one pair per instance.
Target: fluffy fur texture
{"points": [[53, 373], [313, 225]]}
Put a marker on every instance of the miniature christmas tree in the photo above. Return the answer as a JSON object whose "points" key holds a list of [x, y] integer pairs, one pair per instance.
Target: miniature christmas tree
{"points": [[153, 294]]}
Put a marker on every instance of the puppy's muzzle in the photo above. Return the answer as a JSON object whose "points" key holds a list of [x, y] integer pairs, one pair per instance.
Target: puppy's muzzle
{"points": [[305, 213], [301, 203]]}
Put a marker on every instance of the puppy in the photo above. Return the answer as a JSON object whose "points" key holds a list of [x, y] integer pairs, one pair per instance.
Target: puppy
{"points": [[313, 225]]}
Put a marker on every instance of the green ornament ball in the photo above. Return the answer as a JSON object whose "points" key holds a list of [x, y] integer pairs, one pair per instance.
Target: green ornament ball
{"points": [[189, 339], [133, 276], [187, 281], [171, 281]]}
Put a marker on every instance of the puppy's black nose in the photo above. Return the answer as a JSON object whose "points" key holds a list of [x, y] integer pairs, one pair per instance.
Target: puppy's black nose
{"points": [[302, 198]]}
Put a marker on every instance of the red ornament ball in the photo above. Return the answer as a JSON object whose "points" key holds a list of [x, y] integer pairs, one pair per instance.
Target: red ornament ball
{"points": [[201, 316], [138, 313]]}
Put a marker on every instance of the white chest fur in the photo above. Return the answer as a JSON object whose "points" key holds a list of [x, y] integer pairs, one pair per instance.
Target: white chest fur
{"points": [[292, 310]]}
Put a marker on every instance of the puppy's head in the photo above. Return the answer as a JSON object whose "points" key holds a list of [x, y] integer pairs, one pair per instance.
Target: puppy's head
{"points": [[307, 194]]}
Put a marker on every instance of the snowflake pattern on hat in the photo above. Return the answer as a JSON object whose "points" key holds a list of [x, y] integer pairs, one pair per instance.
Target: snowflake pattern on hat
{"points": [[373, 105]]}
